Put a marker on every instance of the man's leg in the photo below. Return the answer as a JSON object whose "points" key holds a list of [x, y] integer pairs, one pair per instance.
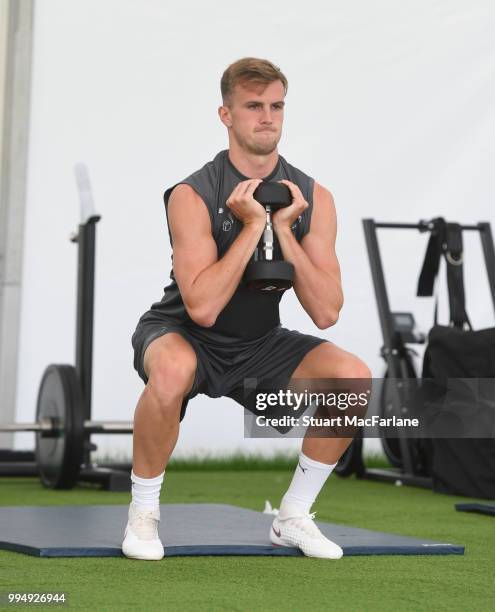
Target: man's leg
{"points": [[329, 361], [170, 365], [318, 457]]}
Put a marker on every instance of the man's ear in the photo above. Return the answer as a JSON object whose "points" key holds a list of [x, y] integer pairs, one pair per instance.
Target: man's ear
{"points": [[224, 114]]}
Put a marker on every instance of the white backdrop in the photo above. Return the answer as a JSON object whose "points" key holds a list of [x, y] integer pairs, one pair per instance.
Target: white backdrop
{"points": [[390, 105]]}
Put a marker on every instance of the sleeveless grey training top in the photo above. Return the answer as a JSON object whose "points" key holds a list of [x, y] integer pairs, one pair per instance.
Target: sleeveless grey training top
{"points": [[248, 314]]}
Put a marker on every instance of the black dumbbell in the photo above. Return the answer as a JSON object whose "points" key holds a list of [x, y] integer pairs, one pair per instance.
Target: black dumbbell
{"points": [[266, 272]]}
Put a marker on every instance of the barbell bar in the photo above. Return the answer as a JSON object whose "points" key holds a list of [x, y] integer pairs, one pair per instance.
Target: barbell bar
{"points": [[49, 427]]}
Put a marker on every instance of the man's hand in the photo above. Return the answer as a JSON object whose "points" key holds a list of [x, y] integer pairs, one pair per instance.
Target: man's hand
{"points": [[244, 206], [285, 217], [206, 283], [317, 282]]}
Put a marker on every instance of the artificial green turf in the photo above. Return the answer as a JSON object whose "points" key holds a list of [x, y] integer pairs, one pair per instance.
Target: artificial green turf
{"points": [[240, 461], [270, 583]]}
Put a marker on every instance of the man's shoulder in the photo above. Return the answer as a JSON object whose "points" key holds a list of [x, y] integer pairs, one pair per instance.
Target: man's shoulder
{"points": [[201, 181], [293, 169], [210, 168], [298, 176]]}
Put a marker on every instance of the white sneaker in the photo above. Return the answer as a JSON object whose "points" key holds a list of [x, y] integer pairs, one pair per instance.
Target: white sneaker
{"points": [[302, 532], [141, 540]]}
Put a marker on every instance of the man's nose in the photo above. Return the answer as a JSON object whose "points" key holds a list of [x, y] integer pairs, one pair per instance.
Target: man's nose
{"points": [[266, 116]]}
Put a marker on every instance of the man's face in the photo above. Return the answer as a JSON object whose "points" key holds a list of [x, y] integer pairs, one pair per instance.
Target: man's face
{"points": [[255, 116]]}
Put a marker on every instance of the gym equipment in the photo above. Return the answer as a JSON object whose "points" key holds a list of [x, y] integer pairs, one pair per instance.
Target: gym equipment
{"points": [[351, 462], [61, 428], [407, 456], [63, 412], [60, 440], [478, 508], [457, 352], [188, 529], [405, 326], [267, 271]]}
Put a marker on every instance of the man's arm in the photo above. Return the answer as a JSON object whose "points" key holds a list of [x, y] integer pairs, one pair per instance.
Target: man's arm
{"points": [[206, 283], [317, 280]]}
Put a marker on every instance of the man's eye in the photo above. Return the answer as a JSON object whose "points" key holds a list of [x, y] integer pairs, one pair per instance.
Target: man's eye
{"points": [[275, 106]]}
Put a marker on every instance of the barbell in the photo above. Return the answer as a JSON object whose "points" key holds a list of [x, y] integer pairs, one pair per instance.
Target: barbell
{"points": [[60, 427], [50, 428]]}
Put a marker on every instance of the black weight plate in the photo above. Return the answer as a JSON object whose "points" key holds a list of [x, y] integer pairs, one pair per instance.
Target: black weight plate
{"points": [[272, 275], [390, 443], [59, 454], [276, 195], [351, 461]]}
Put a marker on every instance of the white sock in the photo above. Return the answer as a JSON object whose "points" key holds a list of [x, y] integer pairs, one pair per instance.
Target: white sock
{"points": [[307, 482], [146, 491]]}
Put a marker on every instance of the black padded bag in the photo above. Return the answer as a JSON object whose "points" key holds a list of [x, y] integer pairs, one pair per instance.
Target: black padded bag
{"points": [[460, 466]]}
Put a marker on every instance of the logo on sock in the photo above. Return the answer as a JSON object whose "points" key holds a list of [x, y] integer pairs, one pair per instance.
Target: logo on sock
{"points": [[303, 469]]}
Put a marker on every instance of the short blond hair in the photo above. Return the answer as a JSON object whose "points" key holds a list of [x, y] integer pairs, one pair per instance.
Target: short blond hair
{"points": [[250, 70]]}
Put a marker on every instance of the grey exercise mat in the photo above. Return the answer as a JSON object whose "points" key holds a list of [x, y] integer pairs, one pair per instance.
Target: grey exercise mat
{"points": [[479, 508], [185, 529]]}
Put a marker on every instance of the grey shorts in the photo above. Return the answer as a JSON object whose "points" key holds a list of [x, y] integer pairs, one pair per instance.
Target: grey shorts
{"points": [[221, 369]]}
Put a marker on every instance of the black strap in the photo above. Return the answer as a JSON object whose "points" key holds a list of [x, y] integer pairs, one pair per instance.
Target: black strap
{"points": [[453, 253], [431, 261], [446, 240]]}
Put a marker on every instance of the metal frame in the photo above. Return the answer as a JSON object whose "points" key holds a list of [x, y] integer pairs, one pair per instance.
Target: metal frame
{"points": [[86, 239], [112, 478], [394, 350]]}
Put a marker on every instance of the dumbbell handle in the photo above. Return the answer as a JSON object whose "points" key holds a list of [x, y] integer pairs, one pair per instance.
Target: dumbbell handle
{"points": [[268, 236]]}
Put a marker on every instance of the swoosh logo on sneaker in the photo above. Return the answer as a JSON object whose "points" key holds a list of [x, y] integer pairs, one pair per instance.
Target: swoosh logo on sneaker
{"points": [[277, 533], [303, 469]]}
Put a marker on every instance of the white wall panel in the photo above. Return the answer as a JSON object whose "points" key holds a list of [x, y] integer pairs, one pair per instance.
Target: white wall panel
{"points": [[390, 105]]}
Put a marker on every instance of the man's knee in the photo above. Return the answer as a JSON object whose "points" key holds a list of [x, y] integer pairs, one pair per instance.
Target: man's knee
{"points": [[355, 368], [338, 363], [170, 365]]}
